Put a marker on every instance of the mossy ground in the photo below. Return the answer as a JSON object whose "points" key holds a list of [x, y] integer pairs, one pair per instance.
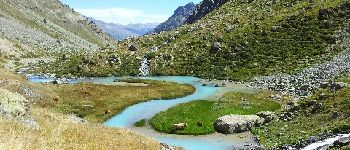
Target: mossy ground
{"points": [[200, 115], [140, 123]]}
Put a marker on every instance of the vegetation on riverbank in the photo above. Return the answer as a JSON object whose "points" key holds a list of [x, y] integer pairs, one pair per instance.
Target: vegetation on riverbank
{"points": [[45, 128], [200, 115], [97, 103], [329, 113], [140, 123]]}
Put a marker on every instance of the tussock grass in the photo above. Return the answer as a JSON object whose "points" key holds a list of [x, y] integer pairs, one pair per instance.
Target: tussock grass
{"points": [[97, 103]]}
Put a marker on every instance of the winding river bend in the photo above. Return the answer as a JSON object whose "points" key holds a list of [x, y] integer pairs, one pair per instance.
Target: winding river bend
{"points": [[147, 110]]}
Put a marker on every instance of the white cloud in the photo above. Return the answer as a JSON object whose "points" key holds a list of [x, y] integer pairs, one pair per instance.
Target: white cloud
{"points": [[122, 15]]}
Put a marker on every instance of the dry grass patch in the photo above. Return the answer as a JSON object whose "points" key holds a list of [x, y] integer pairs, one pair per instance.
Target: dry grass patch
{"points": [[59, 132], [97, 103]]}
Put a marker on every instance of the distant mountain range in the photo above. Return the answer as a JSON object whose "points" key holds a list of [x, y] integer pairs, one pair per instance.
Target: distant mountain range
{"points": [[187, 14], [120, 32]]}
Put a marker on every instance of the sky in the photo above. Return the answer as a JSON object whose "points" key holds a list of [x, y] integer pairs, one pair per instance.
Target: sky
{"points": [[128, 11]]}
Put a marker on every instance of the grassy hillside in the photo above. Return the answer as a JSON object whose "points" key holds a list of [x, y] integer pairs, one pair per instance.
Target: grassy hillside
{"points": [[237, 41]]}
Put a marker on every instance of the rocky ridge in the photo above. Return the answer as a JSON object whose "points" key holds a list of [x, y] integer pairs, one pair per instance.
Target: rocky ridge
{"points": [[204, 8], [177, 19]]}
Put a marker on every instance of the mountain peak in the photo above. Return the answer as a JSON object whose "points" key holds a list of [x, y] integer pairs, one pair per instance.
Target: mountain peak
{"points": [[177, 19]]}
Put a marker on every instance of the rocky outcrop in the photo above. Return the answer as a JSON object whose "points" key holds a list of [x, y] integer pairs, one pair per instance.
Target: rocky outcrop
{"points": [[203, 9], [177, 19], [132, 47], [236, 123]]}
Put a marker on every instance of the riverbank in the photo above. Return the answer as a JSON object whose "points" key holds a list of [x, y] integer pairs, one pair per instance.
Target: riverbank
{"points": [[97, 102], [45, 128]]}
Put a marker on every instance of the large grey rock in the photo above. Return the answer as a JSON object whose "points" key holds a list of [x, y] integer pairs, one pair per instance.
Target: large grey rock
{"points": [[236, 123], [132, 47]]}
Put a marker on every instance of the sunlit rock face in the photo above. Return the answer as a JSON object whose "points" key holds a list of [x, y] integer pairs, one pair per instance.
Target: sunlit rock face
{"points": [[177, 19], [204, 8]]}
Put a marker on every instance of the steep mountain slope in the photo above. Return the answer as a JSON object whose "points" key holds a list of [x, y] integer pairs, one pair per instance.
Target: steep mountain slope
{"points": [[177, 19], [45, 25], [237, 41], [121, 32], [204, 8]]}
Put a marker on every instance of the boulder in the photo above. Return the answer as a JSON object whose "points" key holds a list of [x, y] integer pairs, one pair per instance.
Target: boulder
{"points": [[215, 47], [342, 142], [236, 123], [56, 98], [61, 81], [267, 116], [337, 86], [132, 47], [324, 13]]}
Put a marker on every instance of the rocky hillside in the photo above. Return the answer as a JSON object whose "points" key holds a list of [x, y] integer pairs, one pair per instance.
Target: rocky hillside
{"points": [[29, 27], [237, 41], [204, 8], [121, 32], [177, 19]]}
